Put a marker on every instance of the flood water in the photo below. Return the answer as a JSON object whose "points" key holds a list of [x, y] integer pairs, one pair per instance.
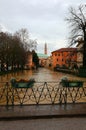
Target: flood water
{"points": [[40, 75]]}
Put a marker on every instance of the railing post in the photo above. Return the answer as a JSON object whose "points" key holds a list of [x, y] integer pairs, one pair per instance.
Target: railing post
{"points": [[45, 83], [65, 96], [12, 96], [7, 99]]}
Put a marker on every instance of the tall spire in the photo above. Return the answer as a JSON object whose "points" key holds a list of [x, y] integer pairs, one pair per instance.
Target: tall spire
{"points": [[45, 49]]}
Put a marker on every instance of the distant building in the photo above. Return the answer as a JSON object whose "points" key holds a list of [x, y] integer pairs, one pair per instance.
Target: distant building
{"points": [[49, 62], [43, 57], [29, 63], [64, 57], [45, 49]]}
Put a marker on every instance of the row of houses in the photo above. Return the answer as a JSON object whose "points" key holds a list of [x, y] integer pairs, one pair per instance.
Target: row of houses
{"points": [[68, 57], [63, 58]]}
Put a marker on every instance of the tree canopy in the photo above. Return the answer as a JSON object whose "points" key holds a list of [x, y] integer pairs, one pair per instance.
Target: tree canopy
{"points": [[35, 59], [77, 21], [14, 49]]}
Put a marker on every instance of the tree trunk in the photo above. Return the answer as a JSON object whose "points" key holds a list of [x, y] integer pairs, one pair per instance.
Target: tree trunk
{"points": [[84, 50]]}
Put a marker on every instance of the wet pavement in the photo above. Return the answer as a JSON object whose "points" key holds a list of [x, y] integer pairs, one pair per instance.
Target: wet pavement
{"points": [[43, 117], [42, 111], [45, 124]]}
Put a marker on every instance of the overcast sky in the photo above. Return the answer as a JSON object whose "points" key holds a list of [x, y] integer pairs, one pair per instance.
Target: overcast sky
{"points": [[44, 19]]}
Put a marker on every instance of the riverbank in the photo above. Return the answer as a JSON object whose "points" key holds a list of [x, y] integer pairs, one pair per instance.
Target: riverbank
{"points": [[11, 71], [79, 73]]}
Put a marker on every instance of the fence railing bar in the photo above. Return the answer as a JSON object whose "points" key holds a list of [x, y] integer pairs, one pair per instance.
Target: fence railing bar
{"points": [[41, 93]]}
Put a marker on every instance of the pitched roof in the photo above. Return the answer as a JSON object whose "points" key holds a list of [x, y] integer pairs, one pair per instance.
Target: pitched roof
{"points": [[40, 55], [65, 50]]}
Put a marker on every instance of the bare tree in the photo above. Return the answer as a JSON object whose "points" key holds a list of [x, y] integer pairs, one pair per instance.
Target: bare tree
{"points": [[5, 49], [24, 37], [77, 22], [28, 43], [32, 44]]}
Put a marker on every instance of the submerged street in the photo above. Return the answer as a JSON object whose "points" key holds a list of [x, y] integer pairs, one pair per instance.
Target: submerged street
{"points": [[40, 75], [64, 123], [45, 90]]}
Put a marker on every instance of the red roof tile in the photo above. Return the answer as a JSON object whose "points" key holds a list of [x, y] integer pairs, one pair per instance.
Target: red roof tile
{"points": [[65, 49]]}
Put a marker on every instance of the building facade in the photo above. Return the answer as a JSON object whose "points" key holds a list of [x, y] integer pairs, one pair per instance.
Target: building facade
{"points": [[42, 59], [29, 62], [64, 57]]}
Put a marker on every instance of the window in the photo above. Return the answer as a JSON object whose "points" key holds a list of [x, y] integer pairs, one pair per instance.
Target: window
{"points": [[62, 54], [58, 54]]}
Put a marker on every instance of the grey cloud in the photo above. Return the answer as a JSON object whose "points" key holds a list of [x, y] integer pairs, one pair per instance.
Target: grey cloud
{"points": [[43, 18]]}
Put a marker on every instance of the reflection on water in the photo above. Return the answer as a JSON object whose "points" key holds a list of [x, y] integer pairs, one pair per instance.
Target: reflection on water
{"points": [[42, 74]]}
